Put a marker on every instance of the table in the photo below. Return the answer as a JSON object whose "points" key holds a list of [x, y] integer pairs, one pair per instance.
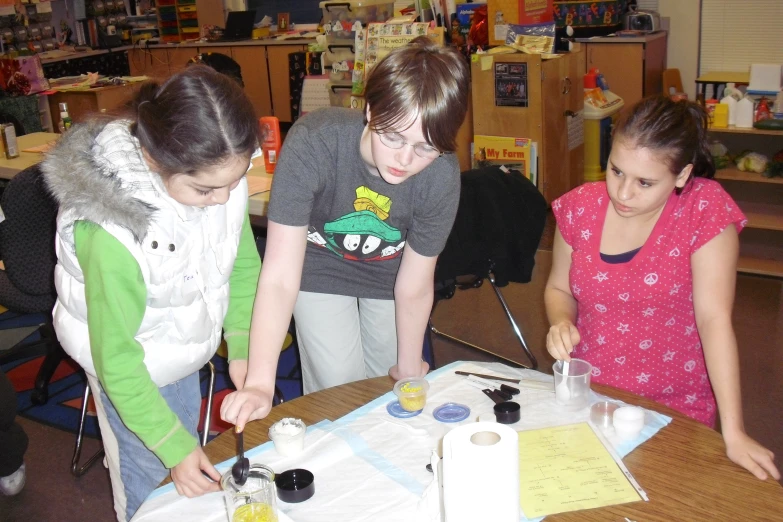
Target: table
{"points": [[257, 204], [718, 78], [11, 167], [683, 468]]}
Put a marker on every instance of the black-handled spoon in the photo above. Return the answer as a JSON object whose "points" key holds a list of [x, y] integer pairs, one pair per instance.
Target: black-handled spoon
{"points": [[241, 467]]}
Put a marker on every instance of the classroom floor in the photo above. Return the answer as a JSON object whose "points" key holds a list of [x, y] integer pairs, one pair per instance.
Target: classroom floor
{"points": [[475, 314]]}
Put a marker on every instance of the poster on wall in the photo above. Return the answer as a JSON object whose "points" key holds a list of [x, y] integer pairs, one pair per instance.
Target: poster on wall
{"points": [[510, 84]]}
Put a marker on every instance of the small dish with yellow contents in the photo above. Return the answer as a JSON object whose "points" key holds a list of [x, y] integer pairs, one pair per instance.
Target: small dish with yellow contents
{"points": [[412, 393]]}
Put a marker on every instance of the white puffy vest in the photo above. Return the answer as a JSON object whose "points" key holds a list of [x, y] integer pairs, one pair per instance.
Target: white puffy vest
{"points": [[186, 260]]}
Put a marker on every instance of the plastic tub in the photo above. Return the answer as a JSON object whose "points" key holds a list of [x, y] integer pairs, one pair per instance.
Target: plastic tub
{"points": [[412, 393], [350, 11]]}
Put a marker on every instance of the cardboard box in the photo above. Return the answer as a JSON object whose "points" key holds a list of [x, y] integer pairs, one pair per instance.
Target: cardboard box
{"points": [[535, 12]]}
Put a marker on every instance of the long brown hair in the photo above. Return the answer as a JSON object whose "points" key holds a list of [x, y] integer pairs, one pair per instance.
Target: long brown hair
{"points": [[198, 118]]}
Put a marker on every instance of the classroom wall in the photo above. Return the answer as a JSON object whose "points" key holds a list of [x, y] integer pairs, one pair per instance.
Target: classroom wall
{"points": [[683, 43]]}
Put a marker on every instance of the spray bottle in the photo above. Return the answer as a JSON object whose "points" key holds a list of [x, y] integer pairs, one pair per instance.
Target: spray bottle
{"points": [[270, 129]]}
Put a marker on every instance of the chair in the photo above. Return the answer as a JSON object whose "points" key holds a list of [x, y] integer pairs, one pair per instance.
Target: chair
{"points": [[221, 63], [672, 83], [27, 283], [77, 470], [499, 223]]}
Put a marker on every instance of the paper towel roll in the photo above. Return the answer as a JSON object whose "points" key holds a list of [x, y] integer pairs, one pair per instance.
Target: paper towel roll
{"points": [[481, 473]]}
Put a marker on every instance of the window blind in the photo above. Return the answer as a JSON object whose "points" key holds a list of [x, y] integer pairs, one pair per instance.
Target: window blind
{"points": [[735, 35], [647, 5]]}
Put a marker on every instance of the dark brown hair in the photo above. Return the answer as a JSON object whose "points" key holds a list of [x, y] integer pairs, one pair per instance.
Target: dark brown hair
{"points": [[424, 79], [677, 130], [198, 118]]}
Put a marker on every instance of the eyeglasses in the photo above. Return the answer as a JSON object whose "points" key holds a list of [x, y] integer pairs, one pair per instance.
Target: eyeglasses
{"points": [[394, 140]]}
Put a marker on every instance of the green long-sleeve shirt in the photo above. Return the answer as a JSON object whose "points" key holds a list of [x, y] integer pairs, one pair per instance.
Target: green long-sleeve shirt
{"points": [[116, 301]]}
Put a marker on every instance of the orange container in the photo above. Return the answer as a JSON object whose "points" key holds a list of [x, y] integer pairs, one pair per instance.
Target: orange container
{"points": [[270, 128]]}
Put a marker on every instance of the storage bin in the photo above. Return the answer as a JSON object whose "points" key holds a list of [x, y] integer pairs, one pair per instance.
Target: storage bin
{"points": [[349, 11], [340, 94]]}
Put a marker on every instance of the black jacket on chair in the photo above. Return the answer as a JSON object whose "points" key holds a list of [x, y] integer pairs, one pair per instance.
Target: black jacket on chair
{"points": [[499, 223], [27, 239]]}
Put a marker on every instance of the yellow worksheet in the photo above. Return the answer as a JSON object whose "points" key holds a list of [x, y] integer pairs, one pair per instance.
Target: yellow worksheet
{"points": [[568, 468]]}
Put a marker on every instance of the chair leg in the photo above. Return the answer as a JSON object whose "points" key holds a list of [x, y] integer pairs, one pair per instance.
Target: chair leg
{"points": [[54, 355], [76, 470], [208, 412], [517, 332]]}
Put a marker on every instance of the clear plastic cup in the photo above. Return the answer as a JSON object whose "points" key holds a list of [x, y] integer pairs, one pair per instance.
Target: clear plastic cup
{"points": [[288, 436], [572, 391], [253, 501], [412, 393]]}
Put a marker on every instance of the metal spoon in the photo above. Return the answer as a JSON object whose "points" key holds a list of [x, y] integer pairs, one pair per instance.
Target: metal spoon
{"points": [[241, 467]]}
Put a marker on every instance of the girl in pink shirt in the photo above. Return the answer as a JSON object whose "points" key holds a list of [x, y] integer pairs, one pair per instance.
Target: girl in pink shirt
{"points": [[644, 269]]}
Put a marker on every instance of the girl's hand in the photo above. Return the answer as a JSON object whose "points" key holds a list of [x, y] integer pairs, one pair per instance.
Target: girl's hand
{"points": [[237, 370], [189, 479], [246, 405], [396, 374], [751, 455], [561, 339]]}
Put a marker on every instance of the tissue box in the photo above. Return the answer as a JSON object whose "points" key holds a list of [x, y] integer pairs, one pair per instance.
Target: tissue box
{"points": [[765, 77]]}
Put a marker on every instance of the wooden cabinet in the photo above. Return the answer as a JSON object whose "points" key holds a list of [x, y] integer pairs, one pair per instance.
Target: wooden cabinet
{"points": [[255, 74], [760, 198], [264, 71], [554, 98], [277, 60], [82, 104], [633, 66], [153, 62]]}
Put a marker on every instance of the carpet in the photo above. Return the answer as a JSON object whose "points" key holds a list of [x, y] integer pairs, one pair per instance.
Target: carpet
{"points": [[66, 388]]}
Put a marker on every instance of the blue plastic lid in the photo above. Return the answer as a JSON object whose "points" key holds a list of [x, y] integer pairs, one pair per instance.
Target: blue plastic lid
{"points": [[451, 412], [395, 410]]}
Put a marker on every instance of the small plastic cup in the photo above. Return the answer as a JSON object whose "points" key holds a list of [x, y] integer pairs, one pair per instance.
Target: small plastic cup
{"points": [[253, 501], [577, 384], [628, 422], [412, 393], [288, 436], [601, 414]]}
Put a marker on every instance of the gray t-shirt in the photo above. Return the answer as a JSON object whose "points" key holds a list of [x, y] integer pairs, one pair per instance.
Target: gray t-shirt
{"points": [[358, 224]]}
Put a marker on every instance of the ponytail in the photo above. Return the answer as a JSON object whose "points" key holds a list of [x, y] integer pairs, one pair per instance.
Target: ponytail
{"points": [[703, 164], [677, 130]]}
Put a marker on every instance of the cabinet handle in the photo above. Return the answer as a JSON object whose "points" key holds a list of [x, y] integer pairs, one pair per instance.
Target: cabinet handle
{"points": [[327, 5], [566, 85]]}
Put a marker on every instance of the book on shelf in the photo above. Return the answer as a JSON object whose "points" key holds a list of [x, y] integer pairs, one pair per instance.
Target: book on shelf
{"points": [[515, 153]]}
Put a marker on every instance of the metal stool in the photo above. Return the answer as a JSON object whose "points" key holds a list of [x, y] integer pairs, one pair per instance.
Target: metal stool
{"points": [[78, 471]]}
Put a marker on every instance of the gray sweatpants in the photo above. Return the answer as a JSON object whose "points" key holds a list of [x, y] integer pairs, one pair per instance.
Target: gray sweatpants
{"points": [[343, 339]]}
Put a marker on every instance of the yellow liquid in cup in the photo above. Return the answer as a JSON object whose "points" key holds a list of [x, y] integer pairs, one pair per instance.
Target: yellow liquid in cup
{"points": [[255, 512]]}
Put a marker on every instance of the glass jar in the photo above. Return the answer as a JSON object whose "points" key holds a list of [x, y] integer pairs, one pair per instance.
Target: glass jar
{"points": [[255, 500]]}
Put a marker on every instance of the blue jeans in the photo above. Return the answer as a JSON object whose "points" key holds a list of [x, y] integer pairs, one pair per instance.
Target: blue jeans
{"points": [[139, 469]]}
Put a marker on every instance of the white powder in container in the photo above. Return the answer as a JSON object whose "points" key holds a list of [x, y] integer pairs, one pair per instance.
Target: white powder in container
{"points": [[288, 435]]}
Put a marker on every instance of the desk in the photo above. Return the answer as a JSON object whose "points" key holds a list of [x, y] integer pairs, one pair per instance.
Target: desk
{"points": [[683, 468], [11, 167], [718, 78]]}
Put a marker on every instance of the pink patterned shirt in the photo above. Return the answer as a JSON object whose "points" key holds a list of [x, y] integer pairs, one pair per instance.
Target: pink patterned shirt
{"points": [[636, 319]]}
